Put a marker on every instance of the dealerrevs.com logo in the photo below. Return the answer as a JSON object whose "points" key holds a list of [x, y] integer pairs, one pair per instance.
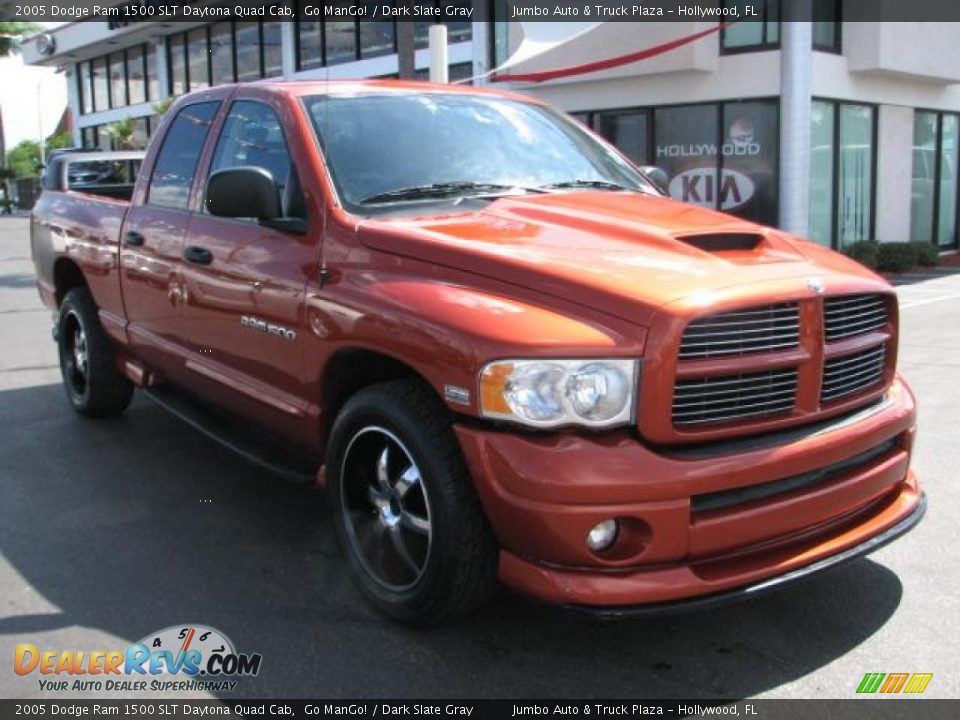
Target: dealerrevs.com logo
{"points": [[179, 658]]}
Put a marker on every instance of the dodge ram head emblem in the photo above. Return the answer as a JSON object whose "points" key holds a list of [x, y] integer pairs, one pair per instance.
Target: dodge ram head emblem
{"points": [[815, 284]]}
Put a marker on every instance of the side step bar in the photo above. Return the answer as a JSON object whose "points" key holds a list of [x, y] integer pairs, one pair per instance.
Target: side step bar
{"points": [[232, 434]]}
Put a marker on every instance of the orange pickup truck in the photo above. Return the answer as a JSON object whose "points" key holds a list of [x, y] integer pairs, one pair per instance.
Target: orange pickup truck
{"points": [[506, 356]]}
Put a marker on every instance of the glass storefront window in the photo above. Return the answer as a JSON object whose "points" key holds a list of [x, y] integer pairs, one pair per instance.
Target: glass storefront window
{"points": [[340, 41], [136, 82], [178, 66], [626, 130], [198, 54], [272, 53], [821, 173], [88, 137], [221, 53], [459, 30], [751, 147], [152, 89], [85, 89], [855, 174], [309, 45], [377, 38], [421, 34], [826, 25], [752, 34], [947, 210], [842, 155], [104, 141], [141, 132], [118, 79], [247, 38], [924, 176], [98, 71], [685, 147]]}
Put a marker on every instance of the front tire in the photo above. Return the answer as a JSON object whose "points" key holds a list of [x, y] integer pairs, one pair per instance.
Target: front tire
{"points": [[94, 385], [404, 508]]}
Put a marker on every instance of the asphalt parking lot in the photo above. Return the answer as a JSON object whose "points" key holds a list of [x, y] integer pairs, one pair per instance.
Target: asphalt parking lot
{"points": [[112, 529]]}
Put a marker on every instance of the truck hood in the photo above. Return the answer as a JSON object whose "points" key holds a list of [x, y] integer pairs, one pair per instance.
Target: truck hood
{"points": [[621, 253]]}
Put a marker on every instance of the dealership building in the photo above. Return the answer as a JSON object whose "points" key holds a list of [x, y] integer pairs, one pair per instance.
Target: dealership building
{"points": [[840, 131]]}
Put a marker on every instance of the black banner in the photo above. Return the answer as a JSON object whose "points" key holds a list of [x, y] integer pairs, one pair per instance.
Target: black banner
{"points": [[123, 13], [859, 709]]}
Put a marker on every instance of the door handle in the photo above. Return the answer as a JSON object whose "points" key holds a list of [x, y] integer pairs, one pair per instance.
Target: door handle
{"points": [[132, 237], [198, 255]]}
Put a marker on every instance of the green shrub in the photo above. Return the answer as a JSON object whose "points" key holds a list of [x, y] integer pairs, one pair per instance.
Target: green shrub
{"points": [[896, 256], [927, 254], [864, 252]]}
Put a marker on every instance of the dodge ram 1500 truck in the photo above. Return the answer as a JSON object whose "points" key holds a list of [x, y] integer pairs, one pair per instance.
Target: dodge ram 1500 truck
{"points": [[505, 355]]}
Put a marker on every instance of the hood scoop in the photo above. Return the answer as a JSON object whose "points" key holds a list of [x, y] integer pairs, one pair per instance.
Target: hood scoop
{"points": [[723, 242]]}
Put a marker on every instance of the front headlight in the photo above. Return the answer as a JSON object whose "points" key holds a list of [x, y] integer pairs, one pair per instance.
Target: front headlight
{"points": [[551, 393]]}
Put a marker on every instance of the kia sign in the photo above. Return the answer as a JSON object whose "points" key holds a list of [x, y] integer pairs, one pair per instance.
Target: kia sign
{"points": [[699, 186], [692, 143]]}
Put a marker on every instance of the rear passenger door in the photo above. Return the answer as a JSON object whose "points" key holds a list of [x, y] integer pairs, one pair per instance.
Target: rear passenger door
{"points": [[151, 242], [242, 278]]}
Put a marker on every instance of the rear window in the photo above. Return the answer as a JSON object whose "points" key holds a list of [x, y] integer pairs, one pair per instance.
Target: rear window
{"points": [[176, 164], [114, 178]]}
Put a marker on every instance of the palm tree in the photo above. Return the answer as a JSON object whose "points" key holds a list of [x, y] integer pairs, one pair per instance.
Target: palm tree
{"points": [[121, 132], [12, 34]]}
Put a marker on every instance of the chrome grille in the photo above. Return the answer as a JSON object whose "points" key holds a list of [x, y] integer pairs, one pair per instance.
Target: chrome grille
{"points": [[759, 329], [734, 397], [851, 374], [850, 315]]}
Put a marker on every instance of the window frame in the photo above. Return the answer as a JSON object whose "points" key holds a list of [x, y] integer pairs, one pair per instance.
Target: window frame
{"points": [[298, 52], [937, 174], [186, 49], [232, 34], [650, 150], [837, 47], [85, 87], [198, 168], [144, 49], [168, 43], [208, 168], [765, 44], [835, 174], [121, 55]]}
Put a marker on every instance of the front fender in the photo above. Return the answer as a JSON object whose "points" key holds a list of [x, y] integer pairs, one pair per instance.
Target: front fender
{"points": [[447, 331]]}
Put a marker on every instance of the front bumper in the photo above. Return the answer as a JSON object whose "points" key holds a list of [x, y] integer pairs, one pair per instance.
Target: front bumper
{"points": [[542, 494], [705, 602]]}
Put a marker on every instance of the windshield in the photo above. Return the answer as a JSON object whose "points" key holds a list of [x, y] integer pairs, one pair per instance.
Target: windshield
{"points": [[402, 147]]}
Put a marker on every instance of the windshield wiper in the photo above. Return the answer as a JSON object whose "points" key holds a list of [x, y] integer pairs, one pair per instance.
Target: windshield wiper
{"points": [[597, 184], [444, 189]]}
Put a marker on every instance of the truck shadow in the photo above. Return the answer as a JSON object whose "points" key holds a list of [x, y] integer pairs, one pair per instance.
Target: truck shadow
{"points": [[132, 525]]}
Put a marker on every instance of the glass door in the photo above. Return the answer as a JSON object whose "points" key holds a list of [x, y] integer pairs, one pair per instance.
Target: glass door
{"points": [[947, 201]]}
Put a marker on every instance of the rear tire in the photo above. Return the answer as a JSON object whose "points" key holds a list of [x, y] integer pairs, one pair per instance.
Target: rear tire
{"points": [[88, 362], [406, 515]]}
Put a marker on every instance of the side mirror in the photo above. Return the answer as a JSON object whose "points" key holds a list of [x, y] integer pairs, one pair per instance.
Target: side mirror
{"points": [[243, 192], [658, 177]]}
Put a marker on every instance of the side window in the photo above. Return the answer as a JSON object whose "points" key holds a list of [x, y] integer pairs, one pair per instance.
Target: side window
{"points": [[252, 137], [176, 164]]}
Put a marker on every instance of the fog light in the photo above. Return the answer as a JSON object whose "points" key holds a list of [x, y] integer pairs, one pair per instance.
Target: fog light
{"points": [[602, 535]]}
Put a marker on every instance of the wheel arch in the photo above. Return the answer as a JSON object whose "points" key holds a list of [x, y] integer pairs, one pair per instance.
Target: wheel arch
{"points": [[67, 276], [352, 369]]}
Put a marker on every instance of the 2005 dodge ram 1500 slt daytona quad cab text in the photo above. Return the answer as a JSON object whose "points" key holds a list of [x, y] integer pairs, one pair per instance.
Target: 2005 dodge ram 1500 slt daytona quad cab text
{"points": [[506, 355]]}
